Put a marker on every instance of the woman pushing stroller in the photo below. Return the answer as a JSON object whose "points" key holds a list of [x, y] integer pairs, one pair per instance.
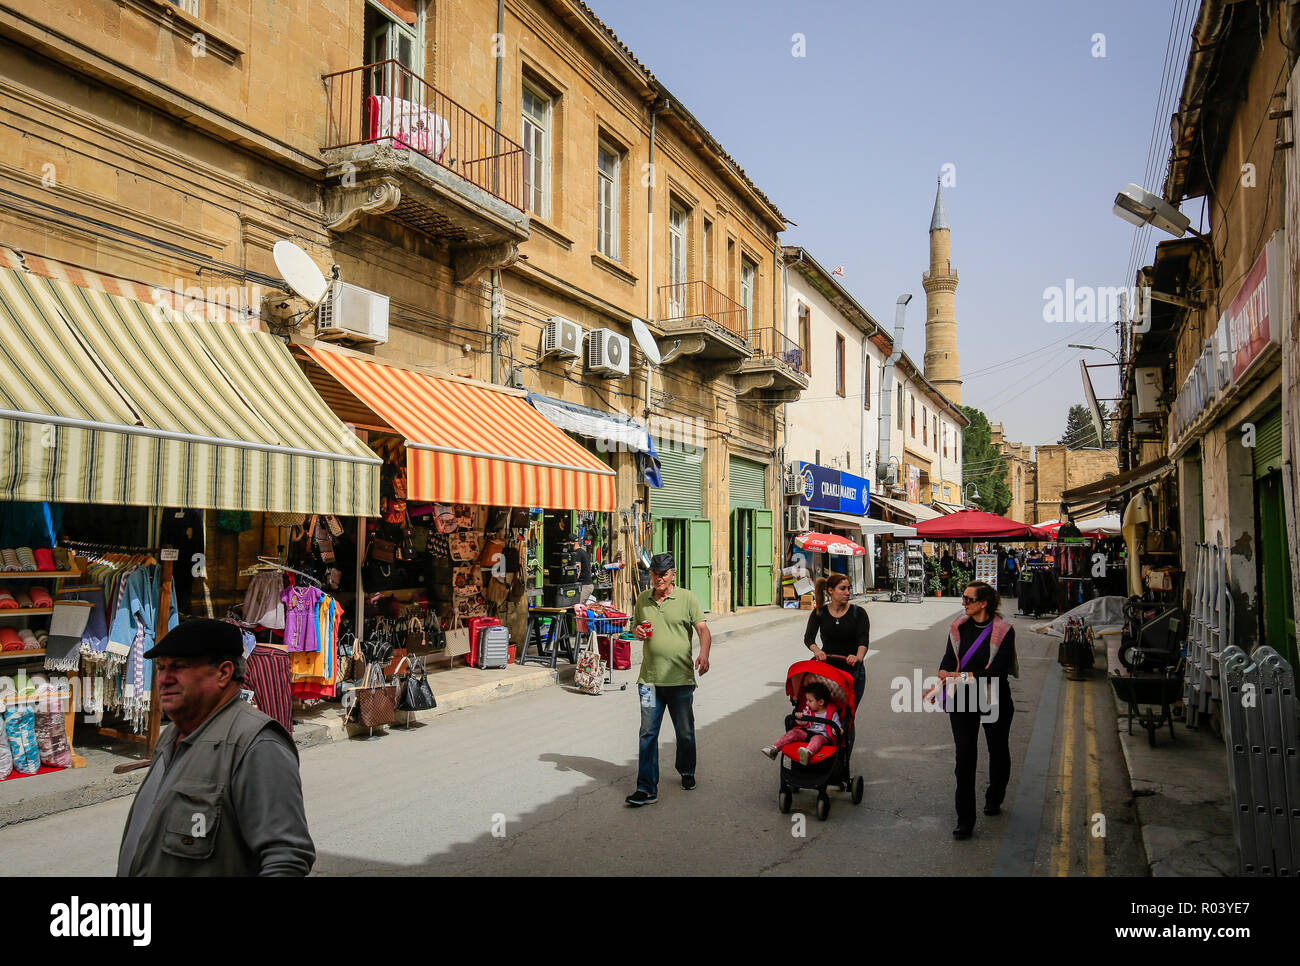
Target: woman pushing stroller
{"points": [[844, 628]]}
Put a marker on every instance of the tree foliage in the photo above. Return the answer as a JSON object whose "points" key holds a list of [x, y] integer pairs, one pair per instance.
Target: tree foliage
{"points": [[982, 463], [1079, 430]]}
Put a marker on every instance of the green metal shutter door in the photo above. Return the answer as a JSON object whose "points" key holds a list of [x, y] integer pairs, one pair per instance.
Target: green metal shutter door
{"points": [[1268, 444], [682, 494], [748, 483]]}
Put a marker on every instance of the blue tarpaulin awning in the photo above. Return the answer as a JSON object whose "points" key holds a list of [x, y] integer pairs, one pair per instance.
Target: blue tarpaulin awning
{"points": [[612, 431]]}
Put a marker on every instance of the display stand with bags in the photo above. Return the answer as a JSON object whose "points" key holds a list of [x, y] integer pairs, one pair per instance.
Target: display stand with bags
{"points": [[589, 675], [413, 691], [375, 702]]}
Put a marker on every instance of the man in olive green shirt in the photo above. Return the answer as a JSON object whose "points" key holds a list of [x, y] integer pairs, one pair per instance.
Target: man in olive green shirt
{"points": [[667, 678]]}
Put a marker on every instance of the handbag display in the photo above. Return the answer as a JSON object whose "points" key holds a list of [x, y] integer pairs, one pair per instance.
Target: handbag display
{"points": [[493, 547], [457, 637], [384, 551], [413, 691], [376, 703], [497, 591], [589, 675], [444, 518]]}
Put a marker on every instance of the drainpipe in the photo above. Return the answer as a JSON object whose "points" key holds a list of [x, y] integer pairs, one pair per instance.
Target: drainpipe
{"points": [[887, 390], [497, 295], [650, 314]]}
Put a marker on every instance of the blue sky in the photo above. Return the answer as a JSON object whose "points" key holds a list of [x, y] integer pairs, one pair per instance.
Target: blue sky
{"points": [[848, 142]]}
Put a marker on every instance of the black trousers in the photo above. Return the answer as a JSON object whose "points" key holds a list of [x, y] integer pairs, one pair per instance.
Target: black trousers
{"points": [[965, 734]]}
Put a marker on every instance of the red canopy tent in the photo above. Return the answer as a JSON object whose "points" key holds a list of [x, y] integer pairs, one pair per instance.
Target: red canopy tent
{"points": [[974, 525]]}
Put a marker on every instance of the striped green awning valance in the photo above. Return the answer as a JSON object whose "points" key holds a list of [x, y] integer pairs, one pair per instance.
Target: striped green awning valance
{"points": [[105, 399]]}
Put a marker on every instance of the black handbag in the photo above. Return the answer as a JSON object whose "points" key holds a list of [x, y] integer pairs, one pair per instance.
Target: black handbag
{"points": [[413, 691]]}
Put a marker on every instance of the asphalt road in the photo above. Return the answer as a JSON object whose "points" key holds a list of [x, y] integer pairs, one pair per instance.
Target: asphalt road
{"points": [[534, 784]]}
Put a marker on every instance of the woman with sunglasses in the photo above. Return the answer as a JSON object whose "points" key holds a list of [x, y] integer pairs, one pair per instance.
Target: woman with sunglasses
{"points": [[981, 650]]}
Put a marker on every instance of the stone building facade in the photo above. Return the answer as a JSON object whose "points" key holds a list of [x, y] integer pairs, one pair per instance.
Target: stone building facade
{"points": [[172, 145]]}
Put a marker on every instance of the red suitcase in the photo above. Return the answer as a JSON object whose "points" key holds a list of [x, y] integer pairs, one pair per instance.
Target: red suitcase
{"points": [[476, 624], [622, 651]]}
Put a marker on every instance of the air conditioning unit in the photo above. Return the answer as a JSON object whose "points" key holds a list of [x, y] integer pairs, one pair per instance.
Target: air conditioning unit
{"points": [[889, 474], [350, 312], [608, 352], [793, 485], [1149, 387], [562, 338], [796, 520]]}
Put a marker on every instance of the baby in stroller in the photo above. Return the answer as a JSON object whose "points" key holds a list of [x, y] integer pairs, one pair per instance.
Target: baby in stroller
{"points": [[824, 692], [815, 731]]}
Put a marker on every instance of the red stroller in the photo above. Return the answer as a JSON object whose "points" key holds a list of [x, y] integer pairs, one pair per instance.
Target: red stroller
{"points": [[830, 765]]}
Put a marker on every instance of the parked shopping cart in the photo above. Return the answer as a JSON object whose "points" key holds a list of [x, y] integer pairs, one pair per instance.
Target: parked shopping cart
{"points": [[610, 627]]}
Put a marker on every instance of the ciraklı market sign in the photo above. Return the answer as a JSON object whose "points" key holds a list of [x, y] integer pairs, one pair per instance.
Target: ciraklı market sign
{"points": [[828, 489]]}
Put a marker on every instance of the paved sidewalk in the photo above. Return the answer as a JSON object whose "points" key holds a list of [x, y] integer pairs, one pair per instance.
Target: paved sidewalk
{"points": [[1180, 787], [456, 689]]}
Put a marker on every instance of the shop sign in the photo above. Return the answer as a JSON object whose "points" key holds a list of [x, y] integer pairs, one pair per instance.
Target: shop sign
{"points": [[1253, 321], [824, 488], [914, 484]]}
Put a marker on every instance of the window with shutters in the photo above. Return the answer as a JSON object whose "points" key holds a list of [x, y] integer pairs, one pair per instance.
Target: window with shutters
{"points": [[839, 365], [925, 426], [805, 337], [537, 113], [935, 432], [609, 164], [913, 416], [866, 384], [899, 407]]}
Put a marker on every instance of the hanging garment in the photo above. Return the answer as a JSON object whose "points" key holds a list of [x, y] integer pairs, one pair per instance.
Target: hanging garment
{"points": [[267, 673], [263, 602], [300, 632]]}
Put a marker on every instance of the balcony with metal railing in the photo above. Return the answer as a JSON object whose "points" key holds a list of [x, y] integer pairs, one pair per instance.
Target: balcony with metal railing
{"points": [[776, 370], [398, 147], [705, 322]]}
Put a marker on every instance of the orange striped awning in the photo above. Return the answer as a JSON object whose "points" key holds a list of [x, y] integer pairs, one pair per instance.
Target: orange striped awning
{"points": [[473, 443]]}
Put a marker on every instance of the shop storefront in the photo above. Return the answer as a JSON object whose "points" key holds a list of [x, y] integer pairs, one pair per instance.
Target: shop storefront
{"points": [[752, 533], [111, 476], [838, 502], [679, 526]]}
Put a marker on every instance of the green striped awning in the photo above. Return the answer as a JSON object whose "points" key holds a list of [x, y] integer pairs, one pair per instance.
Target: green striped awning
{"points": [[106, 399]]}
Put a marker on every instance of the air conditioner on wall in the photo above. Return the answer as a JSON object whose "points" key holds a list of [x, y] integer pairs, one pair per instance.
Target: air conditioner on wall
{"points": [[1149, 387], [562, 338], [793, 486], [796, 520], [353, 313], [607, 352]]}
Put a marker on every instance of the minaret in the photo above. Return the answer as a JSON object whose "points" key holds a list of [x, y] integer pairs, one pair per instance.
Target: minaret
{"points": [[941, 364]]}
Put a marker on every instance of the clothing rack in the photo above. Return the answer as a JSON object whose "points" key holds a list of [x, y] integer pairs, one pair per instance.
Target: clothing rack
{"points": [[266, 563]]}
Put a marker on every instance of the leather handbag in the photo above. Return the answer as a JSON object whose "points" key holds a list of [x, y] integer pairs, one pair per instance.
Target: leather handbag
{"points": [[497, 591], [384, 551], [376, 700], [493, 547], [413, 691]]}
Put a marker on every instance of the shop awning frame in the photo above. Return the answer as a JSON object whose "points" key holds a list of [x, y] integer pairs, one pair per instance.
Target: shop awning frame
{"points": [[106, 398], [917, 511], [472, 442], [1113, 486]]}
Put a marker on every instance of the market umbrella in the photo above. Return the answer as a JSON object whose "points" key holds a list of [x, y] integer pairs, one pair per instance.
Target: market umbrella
{"points": [[829, 543], [974, 525]]}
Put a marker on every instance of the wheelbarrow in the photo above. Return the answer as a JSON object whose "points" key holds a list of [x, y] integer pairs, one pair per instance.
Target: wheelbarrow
{"points": [[1154, 691]]}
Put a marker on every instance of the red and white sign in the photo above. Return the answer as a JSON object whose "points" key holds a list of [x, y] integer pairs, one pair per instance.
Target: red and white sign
{"points": [[1253, 322]]}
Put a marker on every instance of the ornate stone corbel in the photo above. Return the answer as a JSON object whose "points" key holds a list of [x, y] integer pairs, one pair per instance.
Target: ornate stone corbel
{"points": [[687, 346], [754, 380], [349, 204], [469, 263]]}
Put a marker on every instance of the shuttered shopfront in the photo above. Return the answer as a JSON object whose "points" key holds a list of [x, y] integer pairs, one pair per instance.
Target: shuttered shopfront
{"points": [[682, 495], [747, 483], [1268, 444]]}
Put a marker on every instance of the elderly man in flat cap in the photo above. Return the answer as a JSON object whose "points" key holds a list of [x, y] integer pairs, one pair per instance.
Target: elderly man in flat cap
{"points": [[664, 618], [223, 796]]}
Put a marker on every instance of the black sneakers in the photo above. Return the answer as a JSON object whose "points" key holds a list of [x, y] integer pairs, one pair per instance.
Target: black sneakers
{"points": [[962, 832], [992, 809], [639, 798], [688, 782]]}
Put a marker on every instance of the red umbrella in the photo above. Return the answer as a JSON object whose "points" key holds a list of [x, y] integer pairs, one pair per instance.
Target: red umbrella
{"points": [[829, 543], [974, 525]]}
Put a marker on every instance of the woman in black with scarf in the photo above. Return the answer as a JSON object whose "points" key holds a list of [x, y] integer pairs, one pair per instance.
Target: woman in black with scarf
{"points": [[844, 628], [981, 649]]}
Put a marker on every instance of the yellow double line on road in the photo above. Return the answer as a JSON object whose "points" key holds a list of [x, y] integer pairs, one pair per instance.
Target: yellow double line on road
{"points": [[1094, 845]]}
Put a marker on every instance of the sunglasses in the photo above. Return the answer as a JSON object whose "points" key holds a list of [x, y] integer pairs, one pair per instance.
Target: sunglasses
{"points": [[970, 600]]}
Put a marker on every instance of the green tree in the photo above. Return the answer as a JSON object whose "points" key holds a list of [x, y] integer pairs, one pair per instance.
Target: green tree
{"points": [[1080, 433], [983, 464]]}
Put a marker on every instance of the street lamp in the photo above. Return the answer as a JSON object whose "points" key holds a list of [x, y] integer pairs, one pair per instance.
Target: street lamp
{"points": [[974, 488], [1140, 207], [1102, 348]]}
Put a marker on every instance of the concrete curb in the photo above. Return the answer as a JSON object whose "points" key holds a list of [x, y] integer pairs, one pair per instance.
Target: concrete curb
{"points": [[52, 803]]}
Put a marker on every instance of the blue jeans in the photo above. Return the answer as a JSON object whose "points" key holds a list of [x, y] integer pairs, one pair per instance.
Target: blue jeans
{"points": [[677, 700]]}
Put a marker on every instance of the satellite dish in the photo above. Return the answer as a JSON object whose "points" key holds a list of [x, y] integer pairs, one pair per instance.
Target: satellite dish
{"points": [[299, 271], [646, 341]]}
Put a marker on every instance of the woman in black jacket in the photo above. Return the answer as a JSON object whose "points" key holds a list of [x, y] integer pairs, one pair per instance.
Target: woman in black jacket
{"points": [[844, 628], [981, 652]]}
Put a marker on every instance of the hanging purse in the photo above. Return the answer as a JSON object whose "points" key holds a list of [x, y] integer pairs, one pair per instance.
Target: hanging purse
{"points": [[376, 703], [493, 547], [384, 551], [589, 675], [457, 637], [497, 591], [413, 691]]}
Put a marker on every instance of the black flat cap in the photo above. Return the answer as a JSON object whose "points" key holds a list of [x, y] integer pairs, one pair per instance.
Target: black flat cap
{"points": [[662, 563], [200, 637]]}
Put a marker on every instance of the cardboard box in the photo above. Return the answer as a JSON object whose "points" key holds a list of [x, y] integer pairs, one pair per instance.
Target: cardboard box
{"points": [[787, 593], [806, 602]]}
